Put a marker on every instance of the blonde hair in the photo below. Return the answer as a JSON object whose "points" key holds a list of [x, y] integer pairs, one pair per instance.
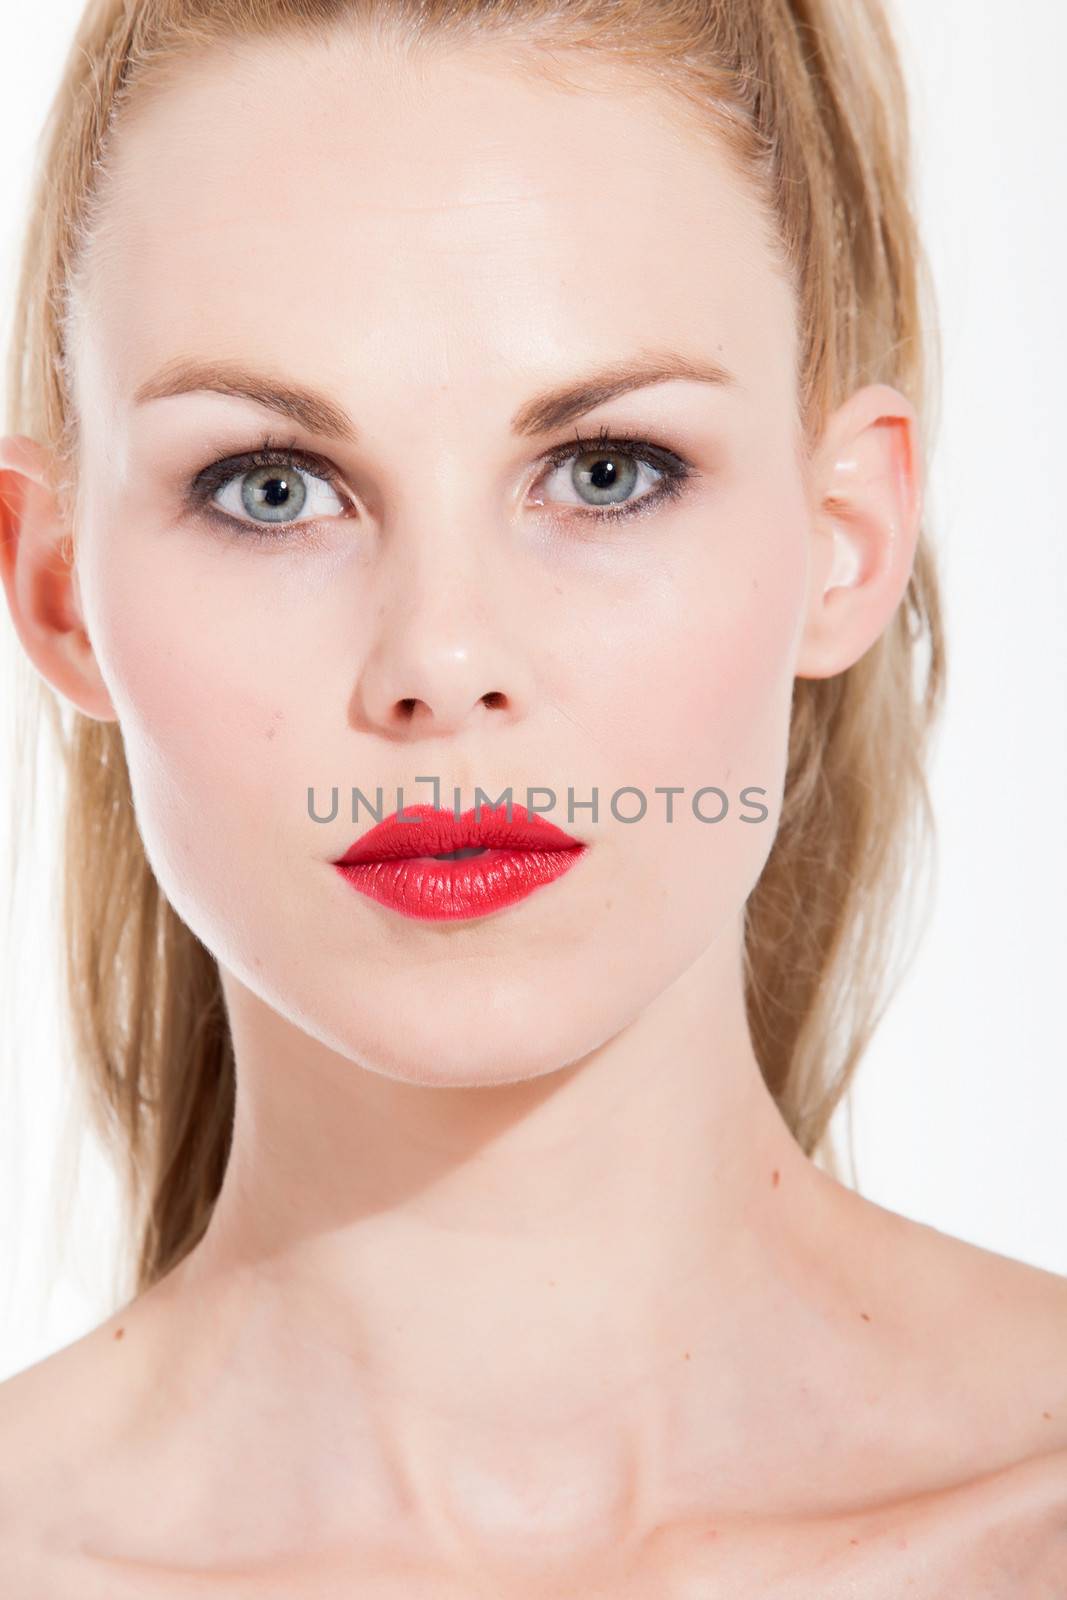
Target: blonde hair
{"points": [[808, 100]]}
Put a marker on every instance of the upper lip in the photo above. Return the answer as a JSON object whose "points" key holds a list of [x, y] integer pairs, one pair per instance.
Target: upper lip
{"points": [[435, 832]]}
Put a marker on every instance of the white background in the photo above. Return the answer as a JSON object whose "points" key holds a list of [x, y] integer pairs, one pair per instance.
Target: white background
{"points": [[960, 1108]]}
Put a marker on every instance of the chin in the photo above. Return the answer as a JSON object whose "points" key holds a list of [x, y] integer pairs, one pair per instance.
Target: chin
{"points": [[469, 1039]]}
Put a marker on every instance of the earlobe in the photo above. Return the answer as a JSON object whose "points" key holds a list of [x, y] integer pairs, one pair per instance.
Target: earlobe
{"points": [[40, 581], [866, 490]]}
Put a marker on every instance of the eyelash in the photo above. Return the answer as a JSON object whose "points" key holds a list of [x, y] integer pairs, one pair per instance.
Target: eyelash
{"points": [[675, 469]]}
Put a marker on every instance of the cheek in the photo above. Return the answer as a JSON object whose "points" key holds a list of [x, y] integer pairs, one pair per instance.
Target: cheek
{"points": [[199, 677], [706, 682], [707, 685]]}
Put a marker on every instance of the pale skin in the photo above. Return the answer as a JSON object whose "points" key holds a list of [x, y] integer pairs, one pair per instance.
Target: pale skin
{"points": [[518, 1282]]}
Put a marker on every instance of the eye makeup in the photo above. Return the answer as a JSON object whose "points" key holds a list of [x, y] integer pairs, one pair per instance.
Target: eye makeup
{"points": [[674, 472]]}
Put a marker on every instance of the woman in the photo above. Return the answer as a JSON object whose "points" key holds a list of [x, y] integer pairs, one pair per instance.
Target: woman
{"points": [[492, 403]]}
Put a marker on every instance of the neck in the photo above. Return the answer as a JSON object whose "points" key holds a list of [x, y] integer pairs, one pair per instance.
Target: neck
{"points": [[562, 1280]]}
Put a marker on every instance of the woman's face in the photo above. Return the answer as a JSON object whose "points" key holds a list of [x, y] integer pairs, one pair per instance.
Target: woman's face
{"points": [[429, 249]]}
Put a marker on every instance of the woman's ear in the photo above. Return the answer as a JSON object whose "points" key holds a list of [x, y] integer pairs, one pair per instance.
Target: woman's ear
{"points": [[39, 577], [867, 500]]}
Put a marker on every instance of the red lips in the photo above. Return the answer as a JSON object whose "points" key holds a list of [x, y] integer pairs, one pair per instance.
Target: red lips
{"points": [[397, 863], [433, 832]]}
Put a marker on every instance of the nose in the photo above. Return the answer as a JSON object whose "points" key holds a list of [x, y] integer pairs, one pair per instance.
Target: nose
{"points": [[445, 658], [440, 693]]}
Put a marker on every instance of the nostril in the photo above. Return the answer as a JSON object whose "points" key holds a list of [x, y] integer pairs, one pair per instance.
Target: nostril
{"points": [[493, 699]]}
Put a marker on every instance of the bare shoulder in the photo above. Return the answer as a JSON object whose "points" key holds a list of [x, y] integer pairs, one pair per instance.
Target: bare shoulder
{"points": [[58, 1417], [988, 1332], [981, 1418]]}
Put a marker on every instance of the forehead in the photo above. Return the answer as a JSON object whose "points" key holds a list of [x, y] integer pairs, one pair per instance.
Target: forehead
{"points": [[323, 202]]}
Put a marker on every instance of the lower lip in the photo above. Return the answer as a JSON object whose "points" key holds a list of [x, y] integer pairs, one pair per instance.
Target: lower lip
{"points": [[439, 891]]}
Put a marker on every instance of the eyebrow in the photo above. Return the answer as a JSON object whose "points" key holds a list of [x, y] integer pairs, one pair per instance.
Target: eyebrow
{"points": [[318, 414]]}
